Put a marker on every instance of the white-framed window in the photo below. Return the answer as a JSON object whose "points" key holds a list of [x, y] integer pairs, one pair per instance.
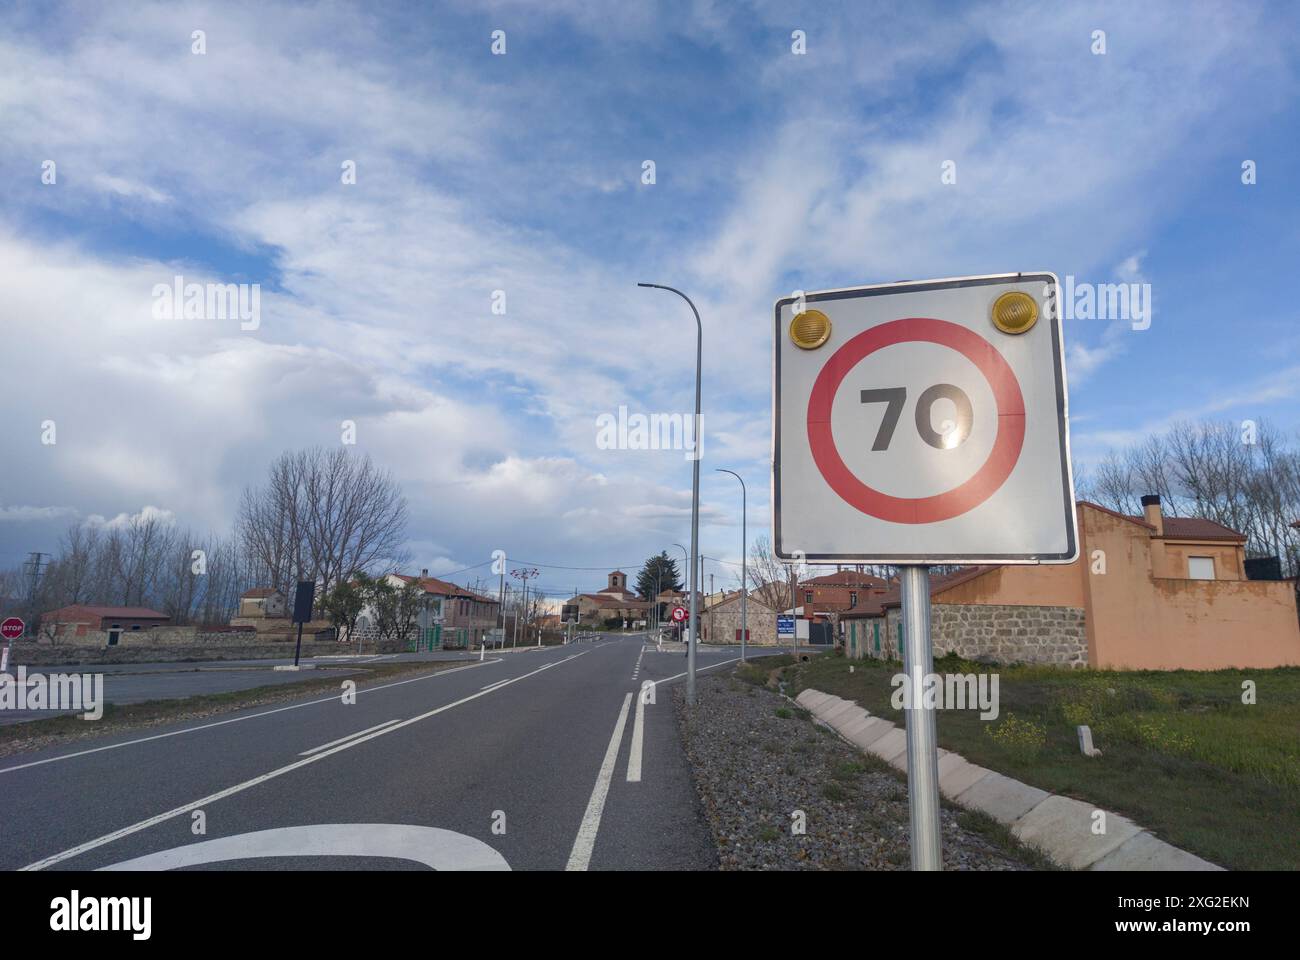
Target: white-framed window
{"points": [[1200, 568]]}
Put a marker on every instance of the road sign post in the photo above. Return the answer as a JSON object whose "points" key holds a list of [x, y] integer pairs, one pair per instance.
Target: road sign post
{"points": [[922, 733], [917, 424], [10, 630]]}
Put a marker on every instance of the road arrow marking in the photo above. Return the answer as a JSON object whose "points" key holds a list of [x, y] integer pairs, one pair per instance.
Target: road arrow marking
{"points": [[432, 846]]}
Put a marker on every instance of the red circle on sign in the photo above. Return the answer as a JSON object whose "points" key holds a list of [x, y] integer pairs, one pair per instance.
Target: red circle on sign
{"points": [[944, 506], [12, 628], [679, 614]]}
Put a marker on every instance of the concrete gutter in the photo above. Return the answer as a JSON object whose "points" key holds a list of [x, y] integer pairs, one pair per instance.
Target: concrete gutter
{"points": [[1060, 827]]}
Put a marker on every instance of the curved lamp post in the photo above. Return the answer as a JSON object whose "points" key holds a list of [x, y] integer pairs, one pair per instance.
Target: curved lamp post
{"points": [[695, 496]]}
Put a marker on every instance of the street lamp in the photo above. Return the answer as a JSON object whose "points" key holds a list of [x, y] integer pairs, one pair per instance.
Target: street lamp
{"points": [[744, 544], [695, 494]]}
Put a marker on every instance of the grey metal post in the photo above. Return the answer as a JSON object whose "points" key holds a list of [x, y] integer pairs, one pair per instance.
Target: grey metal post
{"points": [[744, 547], [922, 737], [794, 586], [501, 603], [695, 493]]}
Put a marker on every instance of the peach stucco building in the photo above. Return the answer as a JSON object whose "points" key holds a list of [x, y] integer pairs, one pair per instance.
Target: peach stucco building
{"points": [[1149, 592]]}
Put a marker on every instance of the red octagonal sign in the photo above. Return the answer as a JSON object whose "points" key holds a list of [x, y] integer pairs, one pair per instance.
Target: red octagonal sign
{"points": [[12, 628]]}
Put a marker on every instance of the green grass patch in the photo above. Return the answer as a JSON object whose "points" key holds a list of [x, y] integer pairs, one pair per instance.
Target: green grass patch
{"points": [[759, 671], [1182, 755]]}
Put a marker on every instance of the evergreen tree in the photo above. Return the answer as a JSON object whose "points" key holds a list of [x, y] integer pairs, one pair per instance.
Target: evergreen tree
{"points": [[658, 572]]}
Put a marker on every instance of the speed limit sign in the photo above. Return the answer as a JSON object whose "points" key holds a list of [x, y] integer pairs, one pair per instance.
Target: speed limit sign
{"points": [[923, 423]]}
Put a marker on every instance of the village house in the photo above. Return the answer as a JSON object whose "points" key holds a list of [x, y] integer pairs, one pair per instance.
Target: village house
{"points": [[261, 602], [451, 616], [89, 624], [1148, 592], [614, 603], [839, 592], [720, 622]]}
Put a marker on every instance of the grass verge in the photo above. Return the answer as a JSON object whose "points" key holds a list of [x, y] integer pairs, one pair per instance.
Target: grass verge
{"points": [[1182, 755]]}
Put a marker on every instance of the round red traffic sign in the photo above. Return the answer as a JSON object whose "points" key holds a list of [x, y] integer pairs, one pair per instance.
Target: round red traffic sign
{"points": [[12, 628], [679, 614], [951, 503]]}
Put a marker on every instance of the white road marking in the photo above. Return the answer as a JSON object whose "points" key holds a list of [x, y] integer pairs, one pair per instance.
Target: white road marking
{"points": [[325, 746], [585, 841], [712, 666], [431, 846], [638, 736], [240, 787], [493, 684], [222, 723]]}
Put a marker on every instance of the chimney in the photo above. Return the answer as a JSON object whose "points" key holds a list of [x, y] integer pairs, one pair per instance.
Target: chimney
{"points": [[1151, 512], [424, 574]]}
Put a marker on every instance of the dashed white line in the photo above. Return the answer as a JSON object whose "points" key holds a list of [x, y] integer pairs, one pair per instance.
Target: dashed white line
{"points": [[585, 841]]}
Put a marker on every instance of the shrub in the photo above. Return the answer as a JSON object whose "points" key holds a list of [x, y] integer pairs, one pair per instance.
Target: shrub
{"points": [[1021, 738]]}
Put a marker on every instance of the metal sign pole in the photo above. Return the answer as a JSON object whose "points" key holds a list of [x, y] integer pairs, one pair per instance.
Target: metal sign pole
{"points": [[922, 738]]}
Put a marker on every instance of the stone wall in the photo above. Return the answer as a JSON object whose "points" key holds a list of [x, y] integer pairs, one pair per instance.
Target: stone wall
{"points": [[34, 654], [722, 623], [1005, 632]]}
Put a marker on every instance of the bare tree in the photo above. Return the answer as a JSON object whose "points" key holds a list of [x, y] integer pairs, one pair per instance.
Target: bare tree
{"points": [[320, 516]]}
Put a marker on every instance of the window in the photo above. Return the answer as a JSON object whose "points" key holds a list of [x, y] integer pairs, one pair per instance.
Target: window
{"points": [[808, 596], [853, 598], [1200, 568]]}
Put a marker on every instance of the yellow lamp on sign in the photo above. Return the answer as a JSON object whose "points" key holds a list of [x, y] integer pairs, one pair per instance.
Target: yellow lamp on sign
{"points": [[1015, 312], [810, 329]]}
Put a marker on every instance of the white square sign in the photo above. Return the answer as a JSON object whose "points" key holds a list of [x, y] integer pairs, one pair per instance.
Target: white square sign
{"points": [[923, 422]]}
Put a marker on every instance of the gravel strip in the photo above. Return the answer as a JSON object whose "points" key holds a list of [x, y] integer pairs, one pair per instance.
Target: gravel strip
{"points": [[757, 758]]}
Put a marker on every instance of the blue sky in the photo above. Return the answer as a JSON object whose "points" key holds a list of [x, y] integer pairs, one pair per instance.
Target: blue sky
{"points": [[522, 173]]}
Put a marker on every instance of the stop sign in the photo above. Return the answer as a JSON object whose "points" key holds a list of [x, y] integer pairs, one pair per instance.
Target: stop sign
{"points": [[12, 628]]}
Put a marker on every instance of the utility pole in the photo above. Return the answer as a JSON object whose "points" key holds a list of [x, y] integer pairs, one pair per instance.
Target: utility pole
{"points": [[35, 561], [525, 574], [501, 602]]}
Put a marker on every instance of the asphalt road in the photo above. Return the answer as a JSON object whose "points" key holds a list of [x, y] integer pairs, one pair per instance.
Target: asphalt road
{"points": [[537, 760]]}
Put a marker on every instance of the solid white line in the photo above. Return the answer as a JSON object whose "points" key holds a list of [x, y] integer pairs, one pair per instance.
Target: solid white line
{"points": [[638, 735], [222, 723], [240, 787], [324, 746], [494, 684], [585, 841], [711, 666]]}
